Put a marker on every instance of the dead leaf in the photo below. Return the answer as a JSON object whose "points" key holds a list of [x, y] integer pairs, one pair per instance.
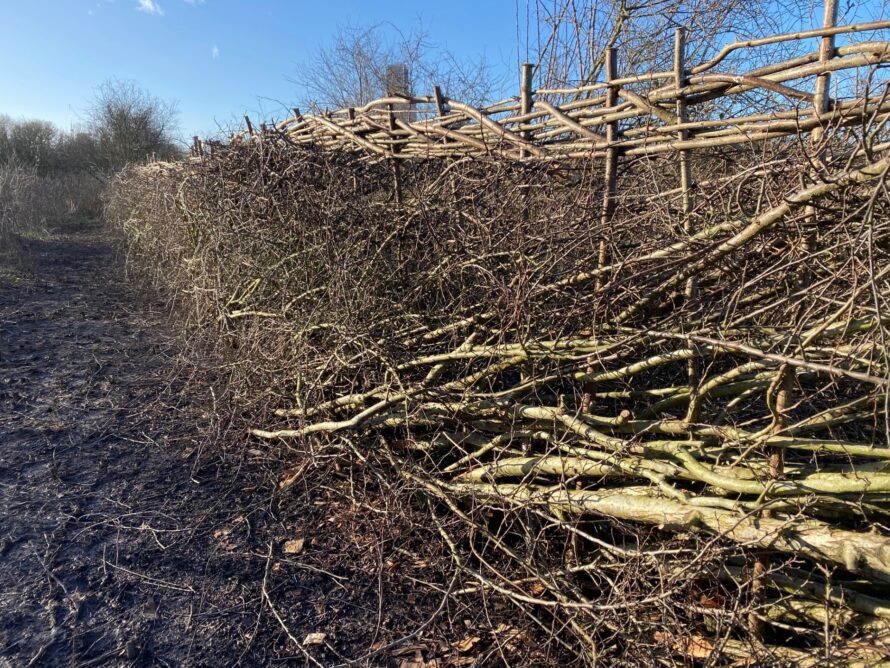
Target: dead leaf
{"points": [[419, 662], [315, 639], [294, 546], [708, 601], [463, 660], [507, 635], [467, 644], [292, 475], [695, 647], [255, 452], [536, 589], [222, 533]]}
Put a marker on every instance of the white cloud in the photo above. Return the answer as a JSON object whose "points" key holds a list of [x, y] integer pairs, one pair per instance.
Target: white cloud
{"points": [[214, 52], [150, 7]]}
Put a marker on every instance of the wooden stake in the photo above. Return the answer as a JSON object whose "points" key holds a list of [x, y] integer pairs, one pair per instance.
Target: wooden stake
{"points": [[822, 102], [397, 180], [610, 171], [778, 397], [440, 100], [779, 394], [526, 98], [526, 101], [680, 81], [396, 166], [610, 188], [682, 116], [249, 125]]}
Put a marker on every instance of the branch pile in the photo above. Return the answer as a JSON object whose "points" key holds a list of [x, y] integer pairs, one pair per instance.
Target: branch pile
{"points": [[675, 448]]}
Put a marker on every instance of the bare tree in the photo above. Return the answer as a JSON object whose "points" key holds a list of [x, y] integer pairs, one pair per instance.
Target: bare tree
{"points": [[130, 124], [29, 143], [568, 38], [352, 69], [76, 151]]}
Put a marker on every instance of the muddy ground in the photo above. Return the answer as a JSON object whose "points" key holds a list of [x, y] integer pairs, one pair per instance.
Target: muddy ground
{"points": [[131, 535]]}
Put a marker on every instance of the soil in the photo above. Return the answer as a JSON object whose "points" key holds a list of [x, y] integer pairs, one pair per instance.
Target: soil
{"points": [[126, 537], [108, 510], [137, 530]]}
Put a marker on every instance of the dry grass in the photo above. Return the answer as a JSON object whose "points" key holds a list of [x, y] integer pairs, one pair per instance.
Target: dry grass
{"points": [[31, 203]]}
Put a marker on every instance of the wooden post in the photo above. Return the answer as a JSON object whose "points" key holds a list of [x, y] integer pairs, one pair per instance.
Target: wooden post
{"points": [[778, 398], [610, 170], [610, 188], [822, 101], [249, 125], [396, 167], [526, 101], [680, 81], [779, 394], [440, 100], [526, 98], [682, 117]]}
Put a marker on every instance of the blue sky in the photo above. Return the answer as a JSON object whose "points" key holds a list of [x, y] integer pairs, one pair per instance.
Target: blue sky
{"points": [[217, 58], [220, 59]]}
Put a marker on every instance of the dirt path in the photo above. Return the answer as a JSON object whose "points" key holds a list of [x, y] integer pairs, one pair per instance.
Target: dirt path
{"points": [[119, 540], [130, 537]]}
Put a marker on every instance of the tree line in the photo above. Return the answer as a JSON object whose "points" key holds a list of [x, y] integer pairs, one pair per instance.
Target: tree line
{"points": [[123, 124], [50, 177]]}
